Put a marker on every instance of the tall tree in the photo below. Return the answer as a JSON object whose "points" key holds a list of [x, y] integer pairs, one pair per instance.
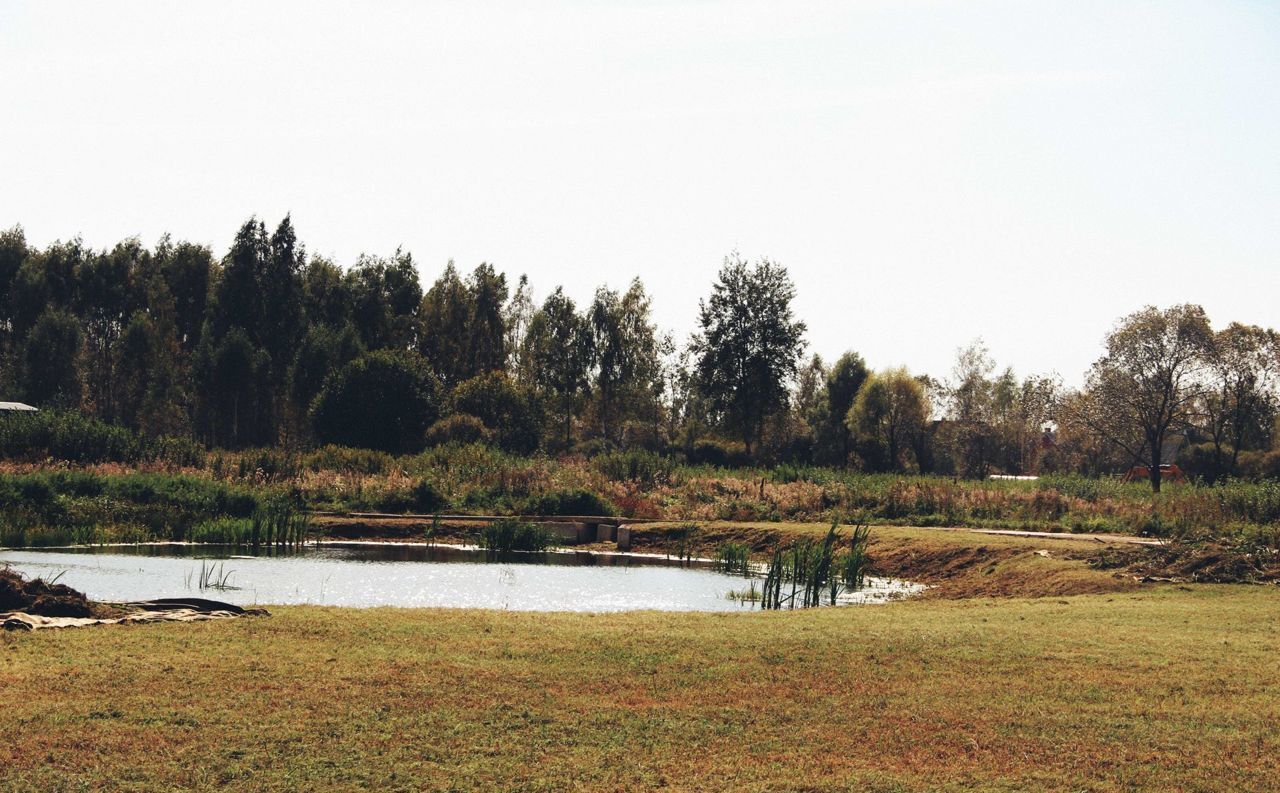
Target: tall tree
{"points": [[833, 439], [280, 294], [326, 294], [447, 309], [323, 351], [517, 315], [1148, 383], [189, 271], [970, 409], [235, 390], [105, 298], [559, 348], [749, 345], [51, 361], [1242, 373], [486, 330], [237, 300], [45, 280], [386, 296], [889, 412], [626, 346], [150, 381]]}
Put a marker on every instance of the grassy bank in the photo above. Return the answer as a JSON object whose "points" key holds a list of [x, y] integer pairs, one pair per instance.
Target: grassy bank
{"points": [[47, 500], [1163, 689]]}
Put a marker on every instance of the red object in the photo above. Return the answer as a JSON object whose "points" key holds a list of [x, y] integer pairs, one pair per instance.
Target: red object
{"points": [[1168, 473]]}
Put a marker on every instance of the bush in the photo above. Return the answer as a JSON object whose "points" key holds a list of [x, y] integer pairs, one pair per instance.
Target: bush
{"points": [[1198, 461], [720, 454], [426, 498], [646, 468], [1260, 465], [512, 411], [422, 497], [460, 429], [568, 502], [593, 447], [347, 460], [182, 452], [384, 400], [271, 463], [67, 435]]}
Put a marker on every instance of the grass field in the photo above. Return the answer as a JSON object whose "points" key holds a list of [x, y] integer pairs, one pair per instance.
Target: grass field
{"points": [[1163, 688]]}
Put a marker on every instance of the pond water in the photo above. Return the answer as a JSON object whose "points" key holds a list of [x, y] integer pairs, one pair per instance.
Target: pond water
{"points": [[385, 574]]}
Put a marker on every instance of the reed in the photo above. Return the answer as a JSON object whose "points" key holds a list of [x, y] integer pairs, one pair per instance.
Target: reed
{"points": [[212, 577], [503, 537], [682, 540], [278, 522], [800, 575], [733, 558]]}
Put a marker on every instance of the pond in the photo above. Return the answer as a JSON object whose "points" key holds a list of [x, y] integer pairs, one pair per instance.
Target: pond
{"points": [[390, 574]]}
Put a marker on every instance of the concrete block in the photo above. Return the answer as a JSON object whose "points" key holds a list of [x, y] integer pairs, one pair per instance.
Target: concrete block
{"points": [[571, 533], [623, 536]]}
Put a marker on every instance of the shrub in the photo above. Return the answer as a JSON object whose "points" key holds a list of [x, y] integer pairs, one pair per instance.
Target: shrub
{"points": [[505, 536], [1260, 465], [1199, 461], [347, 460], [459, 428], [646, 468], [421, 497], [513, 412], [593, 447], [182, 452], [67, 435], [384, 400], [720, 454], [426, 498], [271, 463], [568, 502]]}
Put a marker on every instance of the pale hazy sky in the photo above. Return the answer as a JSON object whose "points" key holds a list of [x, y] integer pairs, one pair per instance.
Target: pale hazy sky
{"points": [[928, 171]]}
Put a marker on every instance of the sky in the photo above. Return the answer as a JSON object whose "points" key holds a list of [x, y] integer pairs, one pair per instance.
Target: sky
{"points": [[929, 172]]}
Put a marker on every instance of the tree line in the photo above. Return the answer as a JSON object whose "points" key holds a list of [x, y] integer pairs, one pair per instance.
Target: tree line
{"points": [[268, 345]]}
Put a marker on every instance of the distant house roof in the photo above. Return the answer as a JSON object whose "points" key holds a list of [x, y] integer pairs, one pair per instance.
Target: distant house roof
{"points": [[15, 406]]}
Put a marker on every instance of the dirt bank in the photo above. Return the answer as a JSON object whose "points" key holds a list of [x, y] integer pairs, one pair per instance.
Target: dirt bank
{"points": [[40, 597], [955, 563]]}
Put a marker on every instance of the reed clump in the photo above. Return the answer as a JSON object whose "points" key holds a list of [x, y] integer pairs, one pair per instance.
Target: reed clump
{"points": [[503, 537], [809, 570], [733, 558]]}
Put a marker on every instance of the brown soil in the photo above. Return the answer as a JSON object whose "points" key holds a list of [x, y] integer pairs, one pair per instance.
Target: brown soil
{"points": [[1198, 562], [38, 597], [958, 571], [340, 527]]}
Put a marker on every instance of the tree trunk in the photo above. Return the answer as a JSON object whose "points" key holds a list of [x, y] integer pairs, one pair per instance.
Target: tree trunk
{"points": [[1153, 473]]}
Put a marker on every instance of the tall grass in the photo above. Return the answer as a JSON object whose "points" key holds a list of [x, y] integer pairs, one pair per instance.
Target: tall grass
{"points": [[278, 522], [478, 479], [733, 558], [504, 537]]}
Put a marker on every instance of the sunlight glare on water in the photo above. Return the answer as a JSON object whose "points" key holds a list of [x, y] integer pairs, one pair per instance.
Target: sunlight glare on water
{"points": [[400, 575]]}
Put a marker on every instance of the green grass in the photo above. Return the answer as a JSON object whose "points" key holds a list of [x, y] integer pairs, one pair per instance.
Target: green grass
{"points": [[1164, 689]]}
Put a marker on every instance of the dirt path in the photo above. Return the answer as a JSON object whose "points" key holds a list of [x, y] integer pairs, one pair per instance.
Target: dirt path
{"points": [[1125, 539]]}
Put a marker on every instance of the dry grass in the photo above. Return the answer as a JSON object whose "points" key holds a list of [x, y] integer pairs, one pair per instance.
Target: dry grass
{"points": [[1167, 689]]}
